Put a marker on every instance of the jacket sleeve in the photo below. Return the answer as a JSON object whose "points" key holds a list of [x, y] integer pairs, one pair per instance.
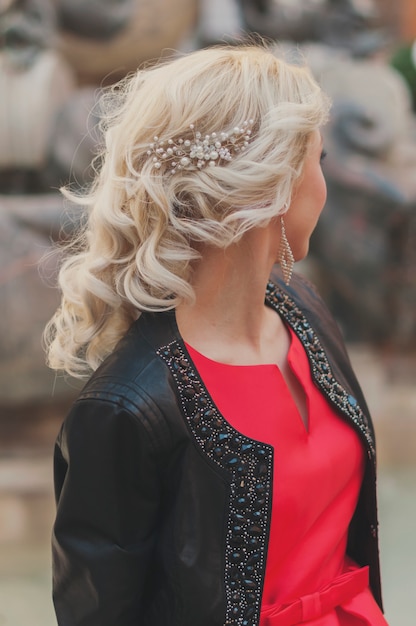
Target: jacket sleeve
{"points": [[107, 490]]}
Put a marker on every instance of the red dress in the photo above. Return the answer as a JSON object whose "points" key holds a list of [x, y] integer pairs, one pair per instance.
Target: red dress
{"points": [[317, 475]]}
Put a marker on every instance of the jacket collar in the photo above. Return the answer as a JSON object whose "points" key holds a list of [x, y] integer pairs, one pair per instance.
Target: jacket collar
{"points": [[342, 398]]}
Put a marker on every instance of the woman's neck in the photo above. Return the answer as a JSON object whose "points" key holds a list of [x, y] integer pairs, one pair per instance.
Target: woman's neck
{"points": [[229, 321]]}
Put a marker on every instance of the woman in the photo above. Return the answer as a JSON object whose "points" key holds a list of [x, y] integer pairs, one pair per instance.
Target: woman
{"points": [[219, 466]]}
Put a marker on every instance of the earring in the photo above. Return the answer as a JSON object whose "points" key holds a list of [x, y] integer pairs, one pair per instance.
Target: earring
{"points": [[286, 258]]}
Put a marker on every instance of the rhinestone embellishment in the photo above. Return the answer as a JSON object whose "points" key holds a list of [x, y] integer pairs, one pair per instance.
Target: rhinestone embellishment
{"points": [[250, 464], [321, 368], [197, 151]]}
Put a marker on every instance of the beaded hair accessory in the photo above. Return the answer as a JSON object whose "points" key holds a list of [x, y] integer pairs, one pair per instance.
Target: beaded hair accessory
{"points": [[197, 152]]}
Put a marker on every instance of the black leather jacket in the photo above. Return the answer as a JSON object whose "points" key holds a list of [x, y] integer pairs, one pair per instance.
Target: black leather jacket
{"points": [[163, 508]]}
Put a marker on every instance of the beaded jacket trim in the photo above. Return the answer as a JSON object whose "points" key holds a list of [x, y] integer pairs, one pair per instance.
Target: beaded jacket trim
{"points": [[249, 462], [321, 368]]}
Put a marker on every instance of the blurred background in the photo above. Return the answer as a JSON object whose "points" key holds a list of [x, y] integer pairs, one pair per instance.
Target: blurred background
{"points": [[55, 57]]}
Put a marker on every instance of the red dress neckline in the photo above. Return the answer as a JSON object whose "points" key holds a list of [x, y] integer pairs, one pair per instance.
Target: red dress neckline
{"points": [[317, 476]]}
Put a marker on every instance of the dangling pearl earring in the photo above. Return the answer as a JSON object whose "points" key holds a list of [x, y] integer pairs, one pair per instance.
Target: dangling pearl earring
{"points": [[286, 258]]}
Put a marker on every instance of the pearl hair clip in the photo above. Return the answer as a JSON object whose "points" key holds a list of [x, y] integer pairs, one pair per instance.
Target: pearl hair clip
{"points": [[199, 151]]}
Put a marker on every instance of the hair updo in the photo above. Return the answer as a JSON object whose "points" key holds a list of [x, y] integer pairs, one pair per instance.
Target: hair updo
{"points": [[144, 222]]}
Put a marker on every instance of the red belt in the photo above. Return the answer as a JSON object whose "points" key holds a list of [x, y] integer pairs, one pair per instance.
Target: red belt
{"points": [[315, 605]]}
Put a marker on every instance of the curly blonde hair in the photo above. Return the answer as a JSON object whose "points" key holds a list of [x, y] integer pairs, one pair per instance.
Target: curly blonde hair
{"points": [[136, 251]]}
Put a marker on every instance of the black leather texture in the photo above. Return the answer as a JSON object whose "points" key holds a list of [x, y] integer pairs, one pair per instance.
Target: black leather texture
{"points": [[143, 511]]}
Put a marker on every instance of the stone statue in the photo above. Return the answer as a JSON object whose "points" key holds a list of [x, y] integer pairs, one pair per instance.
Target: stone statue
{"points": [[365, 242]]}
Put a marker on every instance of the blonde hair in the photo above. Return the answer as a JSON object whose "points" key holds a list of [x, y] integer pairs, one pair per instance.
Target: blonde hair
{"points": [[136, 251]]}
